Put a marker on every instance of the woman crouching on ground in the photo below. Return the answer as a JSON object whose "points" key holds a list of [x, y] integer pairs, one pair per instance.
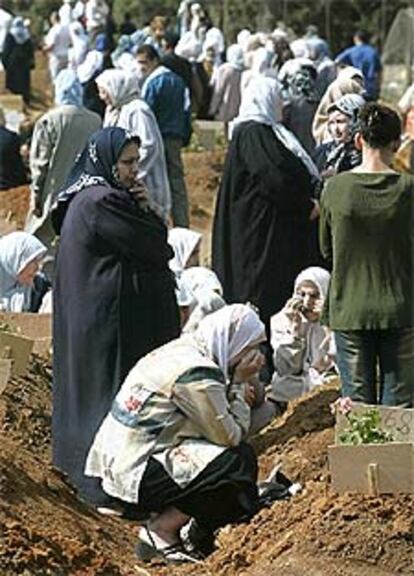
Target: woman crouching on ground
{"points": [[172, 443]]}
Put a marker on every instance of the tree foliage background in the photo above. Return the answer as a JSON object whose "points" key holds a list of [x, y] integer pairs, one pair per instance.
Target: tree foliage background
{"points": [[336, 19]]}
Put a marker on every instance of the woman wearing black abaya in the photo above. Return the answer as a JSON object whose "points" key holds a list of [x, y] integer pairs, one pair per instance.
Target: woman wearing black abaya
{"points": [[262, 224], [113, 296], [18, 59]]}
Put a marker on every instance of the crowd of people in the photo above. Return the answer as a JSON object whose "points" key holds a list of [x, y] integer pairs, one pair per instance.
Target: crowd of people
{"points": [[164, 368]]}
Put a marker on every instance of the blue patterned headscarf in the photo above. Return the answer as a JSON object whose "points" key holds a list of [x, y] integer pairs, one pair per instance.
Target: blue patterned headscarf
{"points": [[68, 89], [95, 166]]}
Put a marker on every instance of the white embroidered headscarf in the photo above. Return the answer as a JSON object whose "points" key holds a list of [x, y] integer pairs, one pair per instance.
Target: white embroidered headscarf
{"points": [[17, 250], [184, 242], [262, 102], [228, 331]]}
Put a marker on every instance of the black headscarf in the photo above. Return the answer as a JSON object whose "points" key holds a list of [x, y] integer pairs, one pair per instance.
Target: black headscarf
{"points": [[95, 166]]}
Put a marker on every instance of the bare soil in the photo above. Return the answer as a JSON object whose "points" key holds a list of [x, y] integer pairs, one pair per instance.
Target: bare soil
{"points": [[45, 530]]}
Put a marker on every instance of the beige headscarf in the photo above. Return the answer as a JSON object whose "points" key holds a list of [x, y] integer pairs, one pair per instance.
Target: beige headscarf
{"points": [[225, 333], [348, 81], [122, 89]]}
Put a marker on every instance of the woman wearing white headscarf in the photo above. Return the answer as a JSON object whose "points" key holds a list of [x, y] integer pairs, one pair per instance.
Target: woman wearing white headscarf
{"points": [[65, 13], [201, 278], [258, 63], [214, 38], [349, 81], [80, 41], [243, 38], [226, 82], [58, 137], [262, 224], [125, 109], [186, 245], [340, 154], [18, 58], [303, 349], [20, 256], [172, 443], [96, 61], [207, 292]]}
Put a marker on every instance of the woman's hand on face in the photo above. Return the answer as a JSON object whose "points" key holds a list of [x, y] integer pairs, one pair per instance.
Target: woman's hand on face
{"points": [[139, 191], [249, 394], [293, 310], [248, 366]]}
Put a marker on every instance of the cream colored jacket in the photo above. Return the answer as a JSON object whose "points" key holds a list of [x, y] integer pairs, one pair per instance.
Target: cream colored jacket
{"points": [[175, 406]]}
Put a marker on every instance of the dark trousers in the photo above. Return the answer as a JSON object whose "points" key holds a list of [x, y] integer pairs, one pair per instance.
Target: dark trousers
{"points": [[175, 169], [377, 366], [224, 492]]}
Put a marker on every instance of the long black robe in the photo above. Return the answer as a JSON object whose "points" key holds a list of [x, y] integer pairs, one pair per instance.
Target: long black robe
{"points": [[18, 60], [261, 230], [114, 302], [12, 171]]}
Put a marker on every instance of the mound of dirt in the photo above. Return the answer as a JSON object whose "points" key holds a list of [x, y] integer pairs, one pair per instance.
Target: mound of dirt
{"points": [[44, 530], [14, 205]]}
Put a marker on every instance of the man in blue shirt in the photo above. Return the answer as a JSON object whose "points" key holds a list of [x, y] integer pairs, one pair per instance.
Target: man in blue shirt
{"points": [[366, 58], [168, 97]]}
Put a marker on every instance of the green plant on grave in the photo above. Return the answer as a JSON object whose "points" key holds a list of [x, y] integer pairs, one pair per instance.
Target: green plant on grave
{"points": [[365, 428]]}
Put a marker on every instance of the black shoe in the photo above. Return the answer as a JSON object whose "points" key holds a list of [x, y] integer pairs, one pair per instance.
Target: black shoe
{"points": [[277, 486]]}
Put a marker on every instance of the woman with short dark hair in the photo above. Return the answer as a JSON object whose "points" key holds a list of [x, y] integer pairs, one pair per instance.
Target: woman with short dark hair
{"points": [[366, 233]]}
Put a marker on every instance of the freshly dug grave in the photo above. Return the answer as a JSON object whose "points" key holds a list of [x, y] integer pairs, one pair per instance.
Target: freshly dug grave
{"points": [[203, 171], [44, 530]]}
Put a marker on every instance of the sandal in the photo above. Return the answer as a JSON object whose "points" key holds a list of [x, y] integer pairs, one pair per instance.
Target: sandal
{"points": [[147, 550], [197, 539]]}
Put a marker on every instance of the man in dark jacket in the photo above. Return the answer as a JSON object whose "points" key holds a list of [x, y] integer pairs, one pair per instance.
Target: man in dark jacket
{"points": [[181, 66]]}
